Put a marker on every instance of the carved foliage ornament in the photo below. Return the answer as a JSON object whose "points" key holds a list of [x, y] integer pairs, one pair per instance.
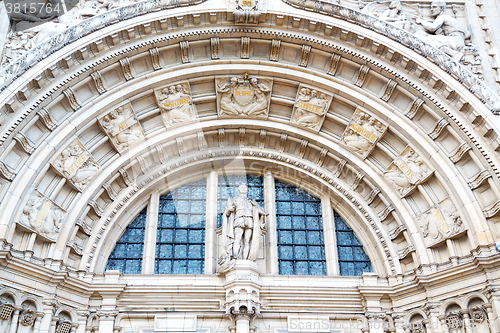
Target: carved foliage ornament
{"points": [[43, 215], [77, 165], [243, 96], [27, 318], [478, 314], [122, 127], [440, 222], [246, 12], [407, 171], [310, 108], [362, 133], [176, 103]]}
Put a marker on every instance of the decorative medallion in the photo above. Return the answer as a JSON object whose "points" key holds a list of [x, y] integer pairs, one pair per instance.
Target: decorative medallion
{"points": [[77, 165], [243, 96], [43, 215], [122, 127], [407, 171], [362, 133], [310, 108], [440, 222], [27, 317], [176, 104]]}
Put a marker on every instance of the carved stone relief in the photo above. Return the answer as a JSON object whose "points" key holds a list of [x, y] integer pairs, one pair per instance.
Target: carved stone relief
{"points": [[43, 215], [122, 127], [175, 103], [243, 96], [362, 133], [310, 108], [247, 12], [407, 171], [440, 222], [77, 165]]}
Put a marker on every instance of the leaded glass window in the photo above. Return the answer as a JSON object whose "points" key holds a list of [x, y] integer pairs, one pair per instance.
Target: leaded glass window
{"points": [[180, 241], [301, 249], [228, 187], [353, 260], [127, 254]]}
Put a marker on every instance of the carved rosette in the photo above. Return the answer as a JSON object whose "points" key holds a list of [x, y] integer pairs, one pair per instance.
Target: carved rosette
{"points": [[243, 96], [122, 127], [407, 171], [27, 317], [310, 108], [43, 215], [362, 133], [441, 222], [77, 165], [478, 314], [176, 103]]}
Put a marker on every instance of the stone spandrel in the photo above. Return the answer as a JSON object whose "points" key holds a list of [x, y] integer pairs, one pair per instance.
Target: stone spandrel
{"points": [[310, 107], [122, 127]]}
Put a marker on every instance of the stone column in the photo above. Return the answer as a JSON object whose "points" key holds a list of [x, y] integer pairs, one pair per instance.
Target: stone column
{"points": [[491, 319], [331, 256], [432, 311], [271, 236], [15, 320], [399, 323], [211, 223], [53, 324], [38, 321], [242, 321], [148, 259], [82, 320], [467, 321], [106, 321], [376, 321]]}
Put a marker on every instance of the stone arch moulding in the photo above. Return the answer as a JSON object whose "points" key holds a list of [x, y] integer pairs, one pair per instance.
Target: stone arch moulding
{"points": [[462, 116]]}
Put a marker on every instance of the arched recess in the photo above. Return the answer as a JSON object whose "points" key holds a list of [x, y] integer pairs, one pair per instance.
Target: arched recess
{"points": [[446, 110]]}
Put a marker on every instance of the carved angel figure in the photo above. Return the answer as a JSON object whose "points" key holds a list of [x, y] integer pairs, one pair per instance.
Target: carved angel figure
{"points": [[243, 97], [358, 143], [124, 136]]}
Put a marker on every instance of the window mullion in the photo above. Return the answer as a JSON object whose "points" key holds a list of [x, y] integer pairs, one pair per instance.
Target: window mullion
{"points": [[332, 267], [211, 223], [271, 237], [148, 262]]}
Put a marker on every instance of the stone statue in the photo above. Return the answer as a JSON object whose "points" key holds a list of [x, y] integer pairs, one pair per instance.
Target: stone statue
{"points": [[42, 215], [176, 104], [310, 108], [243, 96], [244, 221], [452, 39], [122, 127]]}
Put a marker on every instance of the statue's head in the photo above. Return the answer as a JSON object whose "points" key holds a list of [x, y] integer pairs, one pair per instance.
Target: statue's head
{"points": [[396, 4], [243, 189], [437, 7], [234, 81]]}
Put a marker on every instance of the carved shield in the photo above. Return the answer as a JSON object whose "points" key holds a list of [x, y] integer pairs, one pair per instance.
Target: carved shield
{"points": [[243, 95]]}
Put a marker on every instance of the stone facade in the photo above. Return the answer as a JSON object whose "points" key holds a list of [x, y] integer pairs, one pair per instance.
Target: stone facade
{"points": [[395, 132]]}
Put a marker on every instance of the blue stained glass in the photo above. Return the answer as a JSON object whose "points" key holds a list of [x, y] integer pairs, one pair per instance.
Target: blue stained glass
{"points": [[127, 254], [181, 237], [300, 232], [345, 253], [359, 254], [343, 238], [169, 207]]}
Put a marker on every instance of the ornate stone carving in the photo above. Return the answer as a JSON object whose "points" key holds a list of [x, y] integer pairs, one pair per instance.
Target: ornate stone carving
{"points": [[243, 96], [362, 74], [184, 51], [122, 127], [438, 129], [27, 317], [440, 222], [63, 326], [245, 48], [46, 119], [362, 133], [99, 84], [414, 107], [43, 215], [5, 171], [457, 155], [454, 320], [24, 142], [155, 58], [71, 97], [77, 165], [214, 45], [6, 310], [176, 104], [126, 68], [244, 221], [275, 50], [478, 314], [310, 107], [389, 88], [407, 171], [479, 179], [304, 55], [417, 326], [334, 64], [246, 12]]}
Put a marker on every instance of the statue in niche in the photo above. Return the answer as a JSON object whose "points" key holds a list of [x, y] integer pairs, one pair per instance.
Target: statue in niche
{"points": [[310, 108], [42, 215], [77, 165], [362, 133], [243, 96], [176, 104], [440, 222], [244, 221], [122, 127], [452, 39]]}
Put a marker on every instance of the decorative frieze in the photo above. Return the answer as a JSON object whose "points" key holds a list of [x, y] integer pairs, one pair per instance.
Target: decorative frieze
{"points": [[384, 214], [245, 48], [180, 145], [303, 147], [304, 55], [334, 64], [176, 104], [357, 180], [310, 107], [275, 50], [243, 96], [155, 58], [246, 12], [396, 232], [87, 230], [122, 127], [126, 68], [440, 222], [241, 137], [42, 215], [98, 82], [340, 168], [405, 252], [322, 156], [77, 165], [372, 195], [283, 138], [362, 133], [162, 155], [110, 191], [5, 171], [262, 138], [407, 171], [125, 176]]}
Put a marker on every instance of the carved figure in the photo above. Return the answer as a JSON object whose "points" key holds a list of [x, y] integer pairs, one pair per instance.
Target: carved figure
{"points": [[440, 222], [246, 12], [452, 41], [395, 15], [42, 215], [122, 127], [243, 97], [176, 104], [310, 108], [243, 223], [362, 133]]}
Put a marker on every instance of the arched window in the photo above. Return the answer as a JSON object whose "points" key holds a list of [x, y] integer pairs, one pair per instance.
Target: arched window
{"points": [[180, 247]]}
